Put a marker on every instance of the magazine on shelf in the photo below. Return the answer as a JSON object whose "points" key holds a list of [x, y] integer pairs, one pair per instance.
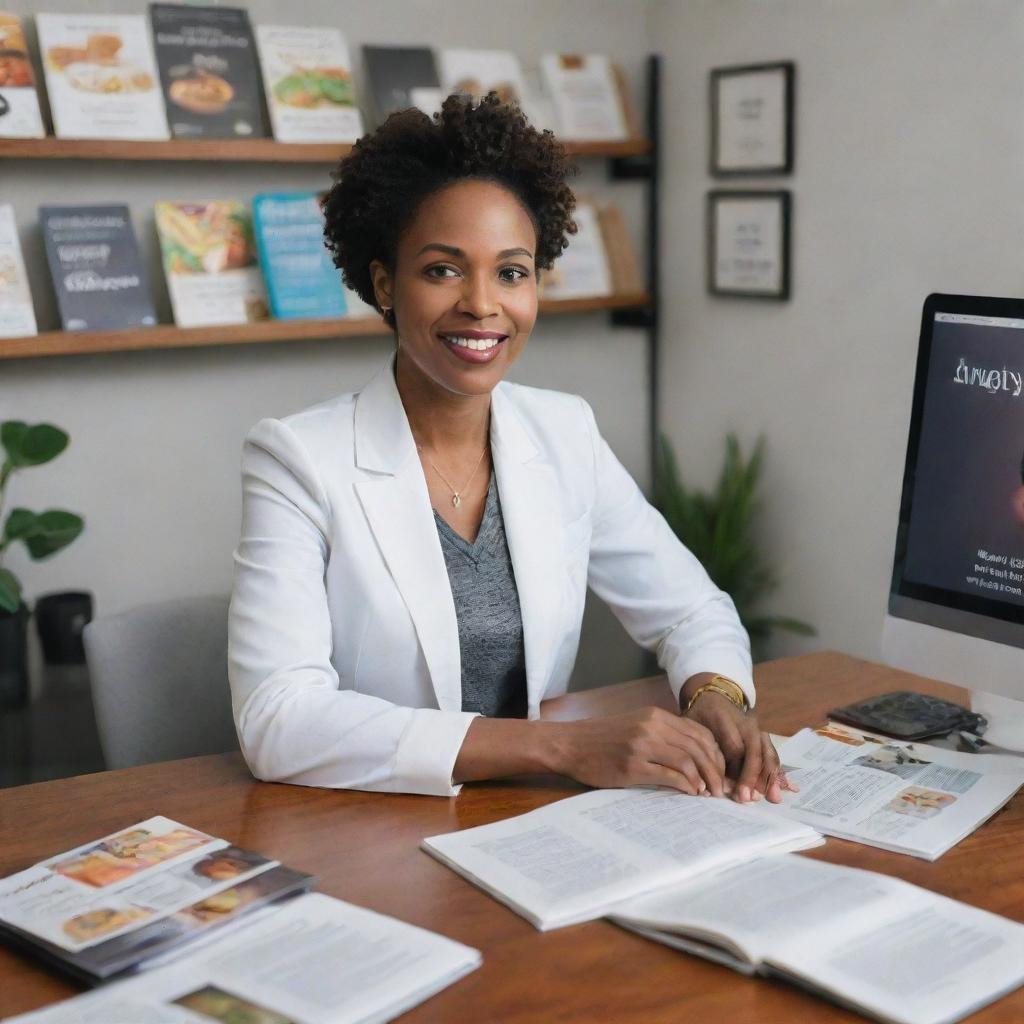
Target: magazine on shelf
{"points": [[209, 71], [96, 268], [582, 270], [575, 859], [301, 278], [394, 73], [585, 95], [620, 252], [477, 72], [307, 76], [20, 117], [314, 960], [209, 256], [905, 797], [17, 318], [101, 76], [882, 946]]}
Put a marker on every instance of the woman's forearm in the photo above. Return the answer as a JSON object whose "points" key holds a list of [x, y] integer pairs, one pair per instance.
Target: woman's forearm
{"points": [[498, 747]]}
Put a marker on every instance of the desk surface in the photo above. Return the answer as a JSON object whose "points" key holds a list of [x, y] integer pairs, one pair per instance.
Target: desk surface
{"points": [[364, 848]]}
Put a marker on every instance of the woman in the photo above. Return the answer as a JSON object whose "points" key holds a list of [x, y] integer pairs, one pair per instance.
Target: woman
{"points": [[414, 557]]}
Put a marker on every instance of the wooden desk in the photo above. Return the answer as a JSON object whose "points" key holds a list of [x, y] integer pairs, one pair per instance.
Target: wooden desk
{"points": [[364, 848]]}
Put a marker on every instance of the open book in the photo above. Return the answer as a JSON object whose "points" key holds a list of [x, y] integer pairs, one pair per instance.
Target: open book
{"points": [[574, 859], [881, 946], [904, 797], [316, 960]]}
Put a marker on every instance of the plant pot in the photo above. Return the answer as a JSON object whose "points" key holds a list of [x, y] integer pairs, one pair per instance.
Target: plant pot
{"points": [[60, 619], [14, 658]]}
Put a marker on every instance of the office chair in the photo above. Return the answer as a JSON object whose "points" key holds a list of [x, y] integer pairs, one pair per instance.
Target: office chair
{"points": [[160, 681]]}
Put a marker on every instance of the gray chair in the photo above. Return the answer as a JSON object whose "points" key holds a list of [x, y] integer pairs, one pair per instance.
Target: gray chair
{"points": [[160, 681]]}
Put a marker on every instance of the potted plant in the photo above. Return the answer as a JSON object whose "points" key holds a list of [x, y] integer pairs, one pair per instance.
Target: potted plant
{"points": [[42, 533], [717, 528]]}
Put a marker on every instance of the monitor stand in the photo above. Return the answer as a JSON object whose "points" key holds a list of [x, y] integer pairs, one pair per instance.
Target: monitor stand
{"points": [[1005, 719]]}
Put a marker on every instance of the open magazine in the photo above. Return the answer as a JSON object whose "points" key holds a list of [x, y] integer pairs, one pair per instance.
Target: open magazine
{"points": [[904, 797], [884, 947], [574, 859]]}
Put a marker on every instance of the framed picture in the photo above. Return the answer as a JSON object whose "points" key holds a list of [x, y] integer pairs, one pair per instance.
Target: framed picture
{"points": [[752, 119], [748, 243]]}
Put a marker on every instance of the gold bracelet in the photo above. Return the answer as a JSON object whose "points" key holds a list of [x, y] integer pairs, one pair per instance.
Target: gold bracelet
{"points": [[726, 687]]}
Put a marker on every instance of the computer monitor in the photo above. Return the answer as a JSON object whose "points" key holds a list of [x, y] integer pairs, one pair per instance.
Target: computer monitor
{"points": [[956, 604]]}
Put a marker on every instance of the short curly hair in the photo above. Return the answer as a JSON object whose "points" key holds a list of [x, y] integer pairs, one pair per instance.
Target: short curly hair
{"points": [[380, 185]]}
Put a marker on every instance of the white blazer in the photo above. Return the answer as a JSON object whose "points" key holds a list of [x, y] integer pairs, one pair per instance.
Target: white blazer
{"points": [[344, 648]]}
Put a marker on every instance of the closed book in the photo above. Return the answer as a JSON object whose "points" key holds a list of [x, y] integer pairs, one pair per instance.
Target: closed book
{"points": [[394, 72], [585, 95], [582, 270], [19, 103], [17, 319]]}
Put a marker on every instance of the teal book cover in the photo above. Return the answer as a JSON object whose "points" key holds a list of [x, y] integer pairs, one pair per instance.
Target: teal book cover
{"points": [[301, 279]]}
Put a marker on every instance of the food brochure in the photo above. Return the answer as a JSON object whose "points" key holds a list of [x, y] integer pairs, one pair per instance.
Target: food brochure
{"points": [[307, 76], [101, 76], [573, 860], [96, 268], [586, 96], [19, 103], [905, 797], [209, 256], [209, 71], [17, 318], [393, 72], [884, 947], [314, 960], [582, 270], [477, 72], [301, 278]]}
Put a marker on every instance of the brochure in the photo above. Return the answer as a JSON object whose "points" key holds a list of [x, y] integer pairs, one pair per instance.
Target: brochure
{"points": [[477, 72], [96, 268], [101, 76], [209, 71], [905, 797], [585, 95], [17, 318], [393, 72], [582, 271], [19, 103], [210, 260], [307, 75]]}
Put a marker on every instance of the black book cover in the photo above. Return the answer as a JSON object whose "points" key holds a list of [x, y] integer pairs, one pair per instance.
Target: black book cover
{"points": [[393, 70], [97, 272], [209, 71]]}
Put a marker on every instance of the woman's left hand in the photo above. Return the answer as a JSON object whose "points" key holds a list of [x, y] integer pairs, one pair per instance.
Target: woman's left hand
{"points": [[750, 756]]}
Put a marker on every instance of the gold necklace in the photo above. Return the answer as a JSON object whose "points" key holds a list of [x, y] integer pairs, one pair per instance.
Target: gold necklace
{"points": [[456, 492]]}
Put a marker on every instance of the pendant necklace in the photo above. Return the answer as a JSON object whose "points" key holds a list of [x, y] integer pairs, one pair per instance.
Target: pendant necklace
{"points": [[456, 493]]}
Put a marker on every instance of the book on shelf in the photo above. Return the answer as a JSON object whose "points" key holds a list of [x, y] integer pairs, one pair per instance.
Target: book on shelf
{"points": [[17, 318], [301, 278], [904, 797], [478, 72], [883, 947], [209, 256], [619, 251], [101, 76], [586, 97], [575, 859], [20, 117], [209, 71], [582, 270], [398, 76], [307, 76], [97, 271]]}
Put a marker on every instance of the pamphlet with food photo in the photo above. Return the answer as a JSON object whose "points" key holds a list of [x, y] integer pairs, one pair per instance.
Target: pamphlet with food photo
{"points": [[101, 76], [308, 80], [17, 318], [209, 71], [19, 103], [209, 257]]}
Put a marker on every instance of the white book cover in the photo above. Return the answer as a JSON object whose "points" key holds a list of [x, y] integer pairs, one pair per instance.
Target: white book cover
{"points": [[307, 76], [582, 87], [477, 72], [101, 76], [17, 320], [582, 270], [19, 103]]}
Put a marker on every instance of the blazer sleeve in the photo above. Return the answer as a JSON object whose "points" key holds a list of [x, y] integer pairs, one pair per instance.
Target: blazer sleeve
{"points": [[295, 724], [657, 589]]}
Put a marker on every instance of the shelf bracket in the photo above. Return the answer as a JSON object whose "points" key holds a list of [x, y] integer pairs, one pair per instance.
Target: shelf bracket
{"points": [[631, 168], [640, 316]]}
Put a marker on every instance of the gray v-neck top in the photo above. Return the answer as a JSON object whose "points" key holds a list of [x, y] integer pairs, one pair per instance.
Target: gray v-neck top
{"points": [[487, 608]]}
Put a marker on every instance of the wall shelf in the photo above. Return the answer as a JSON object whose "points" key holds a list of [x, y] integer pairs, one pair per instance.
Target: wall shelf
{"points": [[247, 150], [65, 343]]}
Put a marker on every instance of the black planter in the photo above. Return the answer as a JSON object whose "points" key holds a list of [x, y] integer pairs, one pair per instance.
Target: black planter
{"points": [[60, 619], [14, 658]]}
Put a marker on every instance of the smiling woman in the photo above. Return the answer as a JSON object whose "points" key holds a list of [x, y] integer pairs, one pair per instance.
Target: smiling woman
{"points": [[414, 557]]}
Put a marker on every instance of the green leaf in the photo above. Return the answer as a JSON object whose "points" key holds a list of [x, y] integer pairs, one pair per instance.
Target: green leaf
{"points": [[41, 444], [11, 433], [55, 529], [20, 523], [10, 591]]}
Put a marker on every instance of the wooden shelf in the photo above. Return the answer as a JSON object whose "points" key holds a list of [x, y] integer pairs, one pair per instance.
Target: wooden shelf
{"points": [[247, 150], [65, 343]]}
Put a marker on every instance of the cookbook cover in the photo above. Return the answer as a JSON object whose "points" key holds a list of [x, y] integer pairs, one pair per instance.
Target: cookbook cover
{"points": [[209, 258], [97, 272], [307, 75], [209, 71], [19, 103], [478, 72], [17, 320], [393, 72], [101, 76]]}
